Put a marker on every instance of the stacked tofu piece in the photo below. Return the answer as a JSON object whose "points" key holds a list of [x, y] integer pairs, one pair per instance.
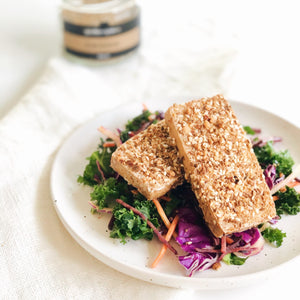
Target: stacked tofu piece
{"points": [[150, 161], [203, 141]]}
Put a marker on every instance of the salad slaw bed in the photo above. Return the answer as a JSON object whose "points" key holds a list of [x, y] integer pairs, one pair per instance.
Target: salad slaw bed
{"points": [[201, 250]]}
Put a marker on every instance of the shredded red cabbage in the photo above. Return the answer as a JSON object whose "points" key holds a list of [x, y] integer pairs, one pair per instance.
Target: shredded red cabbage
{"points": [[246, 243], [271, 177], [192, 236], [274, 220], [198, 261], [262, 141], [203, 249]]}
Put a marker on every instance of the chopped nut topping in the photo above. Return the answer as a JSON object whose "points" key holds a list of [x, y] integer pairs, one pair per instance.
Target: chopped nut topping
{"points": [[216, 266], [150, 161], [220, 164]]}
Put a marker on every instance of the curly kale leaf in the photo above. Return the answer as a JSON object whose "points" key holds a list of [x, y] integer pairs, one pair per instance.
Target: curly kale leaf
{"points": [[274, 236], [128, 224], [90, 171], [288, 202], [249, 130], [91, 174], [105, 157], [141, 121], [232, 259], [109, 190], [267, 155]]}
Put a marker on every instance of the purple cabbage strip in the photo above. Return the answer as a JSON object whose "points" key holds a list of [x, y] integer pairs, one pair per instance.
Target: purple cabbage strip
{"points": [[274, 220], [262, 141], [192, 235], [250, 236], [246, 243], [196, 261], [271, 177], [203, 249]]}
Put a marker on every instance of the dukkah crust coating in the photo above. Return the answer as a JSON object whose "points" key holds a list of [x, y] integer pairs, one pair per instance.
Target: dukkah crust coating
{"points": [[220, 164], [149, 161]]}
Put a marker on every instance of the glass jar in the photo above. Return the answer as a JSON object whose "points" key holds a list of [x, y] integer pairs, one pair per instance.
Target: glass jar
{"points": [[100, 30]]}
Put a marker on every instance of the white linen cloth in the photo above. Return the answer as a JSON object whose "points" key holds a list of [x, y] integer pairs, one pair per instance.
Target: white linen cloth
{"points": [[38, 257]]}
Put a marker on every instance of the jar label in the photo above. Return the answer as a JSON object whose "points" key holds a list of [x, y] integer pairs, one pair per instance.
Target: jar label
{"points": [[100, 36]]}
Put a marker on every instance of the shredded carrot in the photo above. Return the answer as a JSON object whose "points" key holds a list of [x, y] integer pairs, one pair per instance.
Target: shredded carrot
{"points": [[166, 198], [145, 108], [275, 198], [134, 192], [168, 237], [152, 117], [289, 184], [223, 244], [293, 183], [161, 213], [111, 135], [109, 144], [229, 240], [159, 256]]}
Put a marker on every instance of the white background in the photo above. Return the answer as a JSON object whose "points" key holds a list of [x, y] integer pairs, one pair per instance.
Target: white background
{"points": [[265, 35], [258, 40]]}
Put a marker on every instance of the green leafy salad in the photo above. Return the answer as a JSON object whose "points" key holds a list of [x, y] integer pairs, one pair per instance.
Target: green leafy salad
{"points": [[135, 217], [107, 186]]}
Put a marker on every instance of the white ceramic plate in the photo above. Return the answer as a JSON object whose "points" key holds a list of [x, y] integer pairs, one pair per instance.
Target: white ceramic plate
{"points": [[133, 258]]}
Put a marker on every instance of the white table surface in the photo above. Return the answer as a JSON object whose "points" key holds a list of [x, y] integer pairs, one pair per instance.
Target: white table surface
{"points": [[264, 71]]}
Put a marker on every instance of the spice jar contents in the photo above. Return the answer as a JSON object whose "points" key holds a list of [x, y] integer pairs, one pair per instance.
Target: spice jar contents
{"points": [[101, 31]]}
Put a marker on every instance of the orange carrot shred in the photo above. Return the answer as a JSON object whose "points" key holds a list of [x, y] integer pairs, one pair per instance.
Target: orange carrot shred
{"points": [[145, 108], [275, 198], [161, 213], [293, 183], [229, 240], [111, 135], [159, 256], [168, 237], [166, 198], [109, 144], [223, 244]]}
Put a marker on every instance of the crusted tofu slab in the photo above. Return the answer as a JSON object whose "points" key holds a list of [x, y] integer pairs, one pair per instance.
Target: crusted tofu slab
{"points": [[220, 164], [149, 161]]}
